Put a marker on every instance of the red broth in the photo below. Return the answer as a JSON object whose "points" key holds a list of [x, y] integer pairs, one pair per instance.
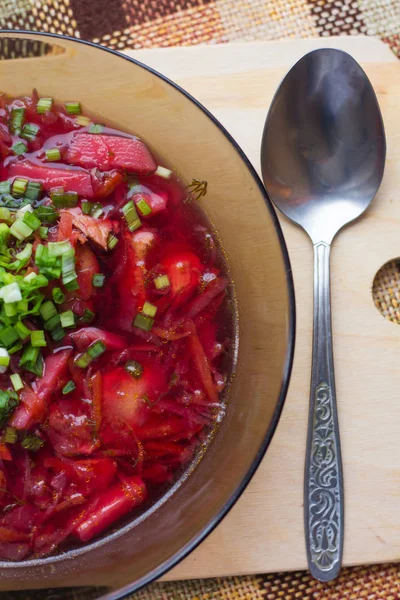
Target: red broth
{"points": [[115, 328]]}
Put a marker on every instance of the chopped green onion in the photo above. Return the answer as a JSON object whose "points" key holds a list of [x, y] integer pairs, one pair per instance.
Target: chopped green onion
{"points": [[134, 368], [9, 201], [96, 210], [65, 199], [57, 197], [4, 233], [15, 348], [49, 271], [47, 214], [34, 282], [36, 301], [22, 305], [98, 280], [43, 259], [11, 309], [37, 339], [22, 330], [163, 172], [31, 220], [10, 435], [19, 186], [68, 269], [30, 131], [58, 333], [8, 402], [30, 277], [96, 128], [33, 190], [58, 295], [72, 285], [4, 360], [95, 350], [73, 108], [82, 121], [43, 232], [143, 207], [20, 230], [11, 293], [143, 322], [67, 319], [135, 224], [69, 387], [5, 258], [17, 118], [82, 360], [161, 282], [21, 211], [131, 216], [29, 355], [25, 254], [7, 278], [149, 309], [112, 241], [39, 281], [48, 310], [71, 199], [58, 189], [44, 105], [4, 406], [53, 323], [88, 316], [5, 187], [16, 382], [32, 442], [59, 248], [41, 255], [86, 207], [53, 154], [19, 148], [4, 214], [68, 261], [35, 367]]}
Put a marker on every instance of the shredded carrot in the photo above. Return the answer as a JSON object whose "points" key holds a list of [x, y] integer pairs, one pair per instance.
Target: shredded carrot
{"points": [[97, 400], [5, 453], [170, 334], [65, 226], [201, 362]]}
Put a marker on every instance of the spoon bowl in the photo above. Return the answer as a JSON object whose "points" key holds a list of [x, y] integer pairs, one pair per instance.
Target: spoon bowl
{"points": [[322, 158], [323, 148]]}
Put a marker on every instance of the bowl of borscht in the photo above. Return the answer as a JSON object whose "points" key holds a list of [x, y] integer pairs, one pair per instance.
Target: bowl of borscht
{"points": [[146, 319]]}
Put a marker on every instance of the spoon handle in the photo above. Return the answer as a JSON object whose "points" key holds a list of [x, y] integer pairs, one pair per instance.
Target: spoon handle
{"points": [[323, 482]]}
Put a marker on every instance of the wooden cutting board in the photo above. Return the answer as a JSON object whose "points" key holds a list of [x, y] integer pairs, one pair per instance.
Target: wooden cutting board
{"points": [[264, 531]]}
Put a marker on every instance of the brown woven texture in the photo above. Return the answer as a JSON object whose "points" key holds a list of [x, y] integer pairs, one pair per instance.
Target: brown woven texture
{"points": [[122, 24]]}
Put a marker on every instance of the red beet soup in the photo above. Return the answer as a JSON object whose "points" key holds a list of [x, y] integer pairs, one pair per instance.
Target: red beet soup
{"points": [[115, 327]]}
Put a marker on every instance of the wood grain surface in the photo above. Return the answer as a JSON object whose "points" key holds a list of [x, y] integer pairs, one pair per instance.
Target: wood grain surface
{"points": [[264, 531]]}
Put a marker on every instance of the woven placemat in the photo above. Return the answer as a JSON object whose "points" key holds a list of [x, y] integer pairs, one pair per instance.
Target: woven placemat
{"points": [[123, 24], [386, 290]]}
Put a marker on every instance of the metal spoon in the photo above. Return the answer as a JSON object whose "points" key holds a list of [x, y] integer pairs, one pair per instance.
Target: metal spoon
{"points": [[322, 158]]}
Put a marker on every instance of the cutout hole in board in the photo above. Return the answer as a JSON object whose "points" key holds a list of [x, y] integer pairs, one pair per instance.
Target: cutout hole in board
{"points": [[11, 48], [386, 290]]}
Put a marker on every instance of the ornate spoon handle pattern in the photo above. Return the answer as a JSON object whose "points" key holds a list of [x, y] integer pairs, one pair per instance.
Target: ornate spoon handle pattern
{"points": [[323, 482]]}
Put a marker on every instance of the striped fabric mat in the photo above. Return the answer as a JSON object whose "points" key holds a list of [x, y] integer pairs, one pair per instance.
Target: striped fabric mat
{"points": [[123, 24]]}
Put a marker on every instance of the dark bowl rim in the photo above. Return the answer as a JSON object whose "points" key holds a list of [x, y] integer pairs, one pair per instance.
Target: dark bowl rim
{"points": [[201, 536]]}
